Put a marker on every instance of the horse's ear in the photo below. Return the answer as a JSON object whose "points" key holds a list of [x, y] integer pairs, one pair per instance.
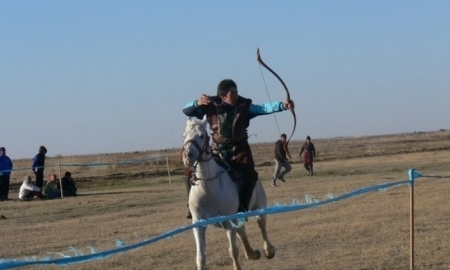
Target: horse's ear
{"points": [[193, 120], [204, 121]]}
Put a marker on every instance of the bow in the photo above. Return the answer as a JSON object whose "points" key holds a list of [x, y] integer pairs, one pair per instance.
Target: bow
{"points": [[288, 97]]}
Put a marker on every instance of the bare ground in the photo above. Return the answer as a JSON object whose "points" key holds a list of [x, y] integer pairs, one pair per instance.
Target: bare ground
{"points": [[371, 231]]}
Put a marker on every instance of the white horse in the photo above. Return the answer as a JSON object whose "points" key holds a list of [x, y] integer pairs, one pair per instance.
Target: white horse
{"points": [[215, 194]]}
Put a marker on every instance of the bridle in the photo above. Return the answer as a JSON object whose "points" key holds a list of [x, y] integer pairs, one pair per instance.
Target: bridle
{"points": [[202, 150]]}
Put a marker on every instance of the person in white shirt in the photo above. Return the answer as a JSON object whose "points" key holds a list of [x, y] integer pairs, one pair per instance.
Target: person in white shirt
{"points": [[27, 189]]}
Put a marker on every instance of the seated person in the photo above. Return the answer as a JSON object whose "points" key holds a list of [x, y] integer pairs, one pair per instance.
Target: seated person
{"points": [[68, 185], [50, 191], [28, 190]]}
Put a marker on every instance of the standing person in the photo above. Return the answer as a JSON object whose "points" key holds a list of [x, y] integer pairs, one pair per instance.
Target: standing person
{"points": [[228, 115], [308, 156], [281, 161], [28, 190], [6, 167], [38, 166]]}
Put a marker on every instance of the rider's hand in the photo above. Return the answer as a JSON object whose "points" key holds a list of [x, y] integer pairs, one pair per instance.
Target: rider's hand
{"points": [[203, 100], [289, 105]]}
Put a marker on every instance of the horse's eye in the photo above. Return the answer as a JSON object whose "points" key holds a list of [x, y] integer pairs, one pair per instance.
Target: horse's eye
{"points": [[202, 136]]}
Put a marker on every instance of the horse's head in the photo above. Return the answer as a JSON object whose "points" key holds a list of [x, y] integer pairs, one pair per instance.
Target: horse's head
{"points": [[196, 143]]}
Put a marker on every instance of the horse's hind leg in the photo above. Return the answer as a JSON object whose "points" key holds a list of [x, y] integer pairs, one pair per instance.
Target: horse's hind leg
{"points": [[200, 240], [269, 249], [250, 253]]}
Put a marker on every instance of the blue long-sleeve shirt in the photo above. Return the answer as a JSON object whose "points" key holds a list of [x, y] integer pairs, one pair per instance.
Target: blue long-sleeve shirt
{"points": [[38, 162], [193, 110], [6, 165]]}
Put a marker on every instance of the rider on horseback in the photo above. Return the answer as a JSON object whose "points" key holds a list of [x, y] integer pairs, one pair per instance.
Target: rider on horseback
{"points": [[229, 115]]}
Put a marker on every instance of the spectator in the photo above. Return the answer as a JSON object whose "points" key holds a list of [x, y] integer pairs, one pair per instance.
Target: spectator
{"points": [[50, 191], [68, 185], [308, 156], [6, 166], [281, 161], [28, 190], [38, 166]]}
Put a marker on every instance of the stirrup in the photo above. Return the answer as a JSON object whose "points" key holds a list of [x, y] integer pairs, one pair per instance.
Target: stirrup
{"points": [[242, 209]]}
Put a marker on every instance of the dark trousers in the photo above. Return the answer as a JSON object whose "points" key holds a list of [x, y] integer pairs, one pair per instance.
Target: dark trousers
{"points": [[70, 192], [39, 178], [4, 186], [243, 161]]}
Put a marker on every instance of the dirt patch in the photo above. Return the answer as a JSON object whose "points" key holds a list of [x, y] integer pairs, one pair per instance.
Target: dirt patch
{"points": [[370, 231]]}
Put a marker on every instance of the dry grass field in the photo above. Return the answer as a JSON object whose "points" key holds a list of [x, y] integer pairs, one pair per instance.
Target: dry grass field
{"points": [[370, 231]]}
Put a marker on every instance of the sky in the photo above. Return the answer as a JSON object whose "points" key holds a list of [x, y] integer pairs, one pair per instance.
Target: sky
{"points": [[86, 77]]}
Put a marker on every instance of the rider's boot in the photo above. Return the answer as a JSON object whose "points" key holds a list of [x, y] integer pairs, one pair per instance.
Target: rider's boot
{"points": [[311, 170], [188, 213]]}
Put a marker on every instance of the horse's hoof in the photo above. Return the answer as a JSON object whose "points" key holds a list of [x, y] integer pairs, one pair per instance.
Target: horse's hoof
{"points": [[257, 255], [269, 252]]}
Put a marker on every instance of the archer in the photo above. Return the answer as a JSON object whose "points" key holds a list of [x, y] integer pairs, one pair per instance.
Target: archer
{"points": [[229, 115]]}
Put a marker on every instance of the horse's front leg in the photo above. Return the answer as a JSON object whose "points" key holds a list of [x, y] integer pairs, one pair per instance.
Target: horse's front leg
{"points": [[269, 250], [250, 253], [233, 249], [200, 240]]}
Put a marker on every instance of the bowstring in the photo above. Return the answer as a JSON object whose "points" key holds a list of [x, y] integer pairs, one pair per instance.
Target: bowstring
{"points": [[270, 100]]}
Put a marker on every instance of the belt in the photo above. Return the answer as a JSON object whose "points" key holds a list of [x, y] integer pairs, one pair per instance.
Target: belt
{"points": [[236, 140]]}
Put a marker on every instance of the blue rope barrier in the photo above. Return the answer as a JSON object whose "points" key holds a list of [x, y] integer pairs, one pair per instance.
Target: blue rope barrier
{"points": [[89, 164], [237, 220]]}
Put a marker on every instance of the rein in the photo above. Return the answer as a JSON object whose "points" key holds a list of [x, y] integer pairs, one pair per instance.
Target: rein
{"points": [[195, 178], [202, 150]]}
